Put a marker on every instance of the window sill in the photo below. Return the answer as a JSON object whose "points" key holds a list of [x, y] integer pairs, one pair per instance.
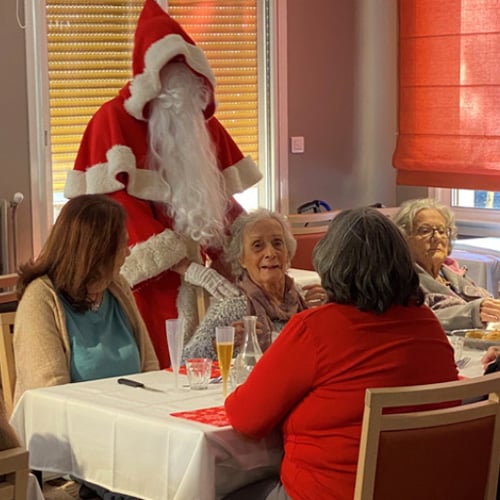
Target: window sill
{"points": [[475, 228]]}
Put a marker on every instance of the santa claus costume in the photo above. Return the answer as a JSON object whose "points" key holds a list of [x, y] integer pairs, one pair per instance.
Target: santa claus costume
{"points": [[113, 159]]}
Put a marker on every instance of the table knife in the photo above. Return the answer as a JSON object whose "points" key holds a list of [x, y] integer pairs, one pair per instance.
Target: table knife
{"points": [[135, 383]]}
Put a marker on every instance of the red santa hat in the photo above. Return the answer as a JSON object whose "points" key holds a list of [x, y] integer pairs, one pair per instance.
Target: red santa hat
{"points": [[159, 40]]}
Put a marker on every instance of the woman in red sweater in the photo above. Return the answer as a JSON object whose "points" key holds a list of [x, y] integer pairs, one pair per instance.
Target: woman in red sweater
{"points": [[310, 384]]}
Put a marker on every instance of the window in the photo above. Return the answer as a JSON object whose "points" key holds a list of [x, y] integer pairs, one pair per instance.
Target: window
{"points": [[86, 46], [473, 219], [89, 58]]}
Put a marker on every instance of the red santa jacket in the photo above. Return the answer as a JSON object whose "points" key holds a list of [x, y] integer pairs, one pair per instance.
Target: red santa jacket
{"points": [[113, 150]]}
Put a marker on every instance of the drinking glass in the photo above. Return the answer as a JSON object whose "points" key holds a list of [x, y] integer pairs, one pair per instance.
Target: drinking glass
{"points": [[457, 342], [175, 340], [224, 338], [198, 372]]}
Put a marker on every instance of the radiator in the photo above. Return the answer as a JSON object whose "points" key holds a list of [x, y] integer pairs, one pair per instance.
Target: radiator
{"points": [[8, 234]]}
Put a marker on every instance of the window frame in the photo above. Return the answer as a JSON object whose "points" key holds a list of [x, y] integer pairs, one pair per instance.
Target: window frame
{"points": [[474, 222], [39, 124]]}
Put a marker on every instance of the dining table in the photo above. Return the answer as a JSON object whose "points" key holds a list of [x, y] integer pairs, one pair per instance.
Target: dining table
{"points": [[470, 365], [150, 442], [482, 258], [482, 268]]}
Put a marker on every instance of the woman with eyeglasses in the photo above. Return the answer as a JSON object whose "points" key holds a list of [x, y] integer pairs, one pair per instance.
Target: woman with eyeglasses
{"points": [[456, 300]]}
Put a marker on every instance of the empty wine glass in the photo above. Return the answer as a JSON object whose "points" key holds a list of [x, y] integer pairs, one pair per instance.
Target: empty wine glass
{"points": [[175, 340]]}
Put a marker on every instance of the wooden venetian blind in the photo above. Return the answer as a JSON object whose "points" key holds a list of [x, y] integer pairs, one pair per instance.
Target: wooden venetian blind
{"points": [[90, 55]]}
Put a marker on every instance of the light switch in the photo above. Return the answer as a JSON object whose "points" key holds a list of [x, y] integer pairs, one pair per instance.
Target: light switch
{"points": [[297, 144]]}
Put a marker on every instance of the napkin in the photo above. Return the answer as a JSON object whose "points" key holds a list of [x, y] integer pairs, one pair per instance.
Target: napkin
{"points": [[215, 416], [215, 370]]}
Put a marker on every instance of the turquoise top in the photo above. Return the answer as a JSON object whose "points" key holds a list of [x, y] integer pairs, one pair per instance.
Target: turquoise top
{"points": [[102, 342]]}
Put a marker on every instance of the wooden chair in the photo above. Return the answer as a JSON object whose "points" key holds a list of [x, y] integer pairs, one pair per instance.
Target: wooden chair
{"points": [[7, 364], [309, 228], [448, 452], [14, 473], [7, 288]]}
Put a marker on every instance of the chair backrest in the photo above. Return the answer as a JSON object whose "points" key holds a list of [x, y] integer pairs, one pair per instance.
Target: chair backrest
{"points": [[437, 451], [311, 223], [7, 364], [7, 288], [14, 473], [308, 229]]}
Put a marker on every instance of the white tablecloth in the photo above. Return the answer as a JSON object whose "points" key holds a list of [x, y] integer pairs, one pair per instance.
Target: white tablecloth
{"points": [[303, 277], [34, 492], [488, 246], [125, 439], [483, 269], [474, 367]]}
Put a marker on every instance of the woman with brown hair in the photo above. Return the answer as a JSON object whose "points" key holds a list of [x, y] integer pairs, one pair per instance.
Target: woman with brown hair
{"points": [[77, 319]]}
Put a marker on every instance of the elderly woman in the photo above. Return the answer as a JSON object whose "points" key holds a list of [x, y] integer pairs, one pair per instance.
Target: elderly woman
{"points": [[458, 302], [311, 382], [259, 251], [77, 319]]}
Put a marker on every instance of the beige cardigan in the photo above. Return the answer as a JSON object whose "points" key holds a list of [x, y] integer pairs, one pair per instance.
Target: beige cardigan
{"points": [[41, 344]]}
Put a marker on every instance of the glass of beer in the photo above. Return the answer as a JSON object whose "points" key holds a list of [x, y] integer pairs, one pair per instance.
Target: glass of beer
{"points": [[224, 338]]}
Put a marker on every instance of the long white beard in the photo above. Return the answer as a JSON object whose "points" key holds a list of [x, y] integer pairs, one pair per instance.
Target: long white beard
{"points": [[181, 149]]}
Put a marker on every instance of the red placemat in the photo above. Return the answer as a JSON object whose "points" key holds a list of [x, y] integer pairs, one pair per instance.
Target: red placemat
{"points": [[215, 416], [215, 370]]}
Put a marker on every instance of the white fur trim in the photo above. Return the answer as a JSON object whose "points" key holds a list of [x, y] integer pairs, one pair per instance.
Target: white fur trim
{"points": [[153, 256], [241, 176], [101, 178], [75, 184], [146, 86]]}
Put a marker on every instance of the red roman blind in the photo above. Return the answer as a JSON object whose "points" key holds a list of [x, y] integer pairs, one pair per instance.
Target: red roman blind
{"points": [[449, 94]]}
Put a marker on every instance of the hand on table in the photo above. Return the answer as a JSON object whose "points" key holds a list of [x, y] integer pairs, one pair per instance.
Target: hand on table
{"points": [[489, 310], [314, 295]]}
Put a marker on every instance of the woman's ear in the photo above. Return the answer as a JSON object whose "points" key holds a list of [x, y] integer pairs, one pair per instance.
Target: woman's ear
{"points": [[240, 260]]}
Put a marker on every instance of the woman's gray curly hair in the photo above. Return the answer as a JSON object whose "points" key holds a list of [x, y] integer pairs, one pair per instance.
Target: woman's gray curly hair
{"points": [[405, 216], [234, 246]]}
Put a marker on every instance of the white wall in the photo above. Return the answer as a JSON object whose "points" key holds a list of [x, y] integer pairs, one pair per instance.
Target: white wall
{"points": [[342, 97]]}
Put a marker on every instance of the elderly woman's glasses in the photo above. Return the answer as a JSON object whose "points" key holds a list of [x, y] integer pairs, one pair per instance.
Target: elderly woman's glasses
{"points": [[428, 231]]}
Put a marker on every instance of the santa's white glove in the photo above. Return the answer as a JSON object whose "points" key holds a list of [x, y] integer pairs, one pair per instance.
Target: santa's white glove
{"points": [[211, 281]]}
